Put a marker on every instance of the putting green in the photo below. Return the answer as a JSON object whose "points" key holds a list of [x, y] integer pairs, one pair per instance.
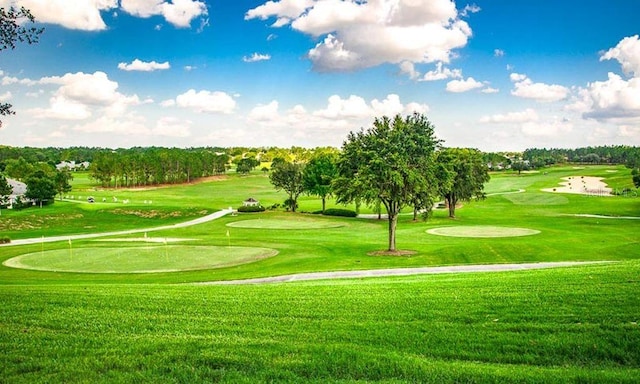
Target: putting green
{"points": [[482, 231], [151, 259], [293, 223]]}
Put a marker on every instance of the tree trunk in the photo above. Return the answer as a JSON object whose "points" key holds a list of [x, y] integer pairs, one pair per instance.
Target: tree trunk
{"points": [[452, 206], [393, 221], [323, 204]]}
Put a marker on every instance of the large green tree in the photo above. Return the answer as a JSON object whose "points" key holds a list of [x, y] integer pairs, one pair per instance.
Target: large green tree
{"points": [[63, 181], [15, 28], [392, 162], [470, 173], [40, 188], [246, 165], [287, 176], [5, 191], [319, 174]]}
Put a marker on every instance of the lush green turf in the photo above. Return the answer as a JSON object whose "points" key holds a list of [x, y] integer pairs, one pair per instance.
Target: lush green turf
{"points": [[291, 222], [566, 325], [563, 325], [141, 259]]}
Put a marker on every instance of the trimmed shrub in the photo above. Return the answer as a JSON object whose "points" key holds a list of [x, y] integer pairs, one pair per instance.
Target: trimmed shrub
{"points": [[5, 240], [340, 212], [255, 208]]}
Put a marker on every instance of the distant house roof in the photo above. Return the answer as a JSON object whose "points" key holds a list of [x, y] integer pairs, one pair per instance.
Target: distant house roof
{"points": [[72, 164], [251, 200], [19, 188]]}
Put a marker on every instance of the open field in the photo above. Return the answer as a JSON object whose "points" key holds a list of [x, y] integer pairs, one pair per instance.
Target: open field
{"points": [[560, 325]]}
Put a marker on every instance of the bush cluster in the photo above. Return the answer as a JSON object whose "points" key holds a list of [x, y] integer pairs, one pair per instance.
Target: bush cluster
{"points": [[255, 208], [340, 212], [5, 240]]}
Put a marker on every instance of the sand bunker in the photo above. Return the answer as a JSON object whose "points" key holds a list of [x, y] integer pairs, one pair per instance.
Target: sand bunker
{"points": [[482, 231], [585, 185]]}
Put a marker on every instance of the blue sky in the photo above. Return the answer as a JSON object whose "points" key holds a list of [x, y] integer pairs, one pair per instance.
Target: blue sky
{"points": [[497, 75]]}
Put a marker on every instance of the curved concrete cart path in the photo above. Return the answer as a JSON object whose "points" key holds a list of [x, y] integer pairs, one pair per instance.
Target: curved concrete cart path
{"points": [[200, 220], [403, 272]]}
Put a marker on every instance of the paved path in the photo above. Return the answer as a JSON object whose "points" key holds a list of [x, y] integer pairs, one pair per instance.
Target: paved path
{"points": [[402, 272], [189, 223]]}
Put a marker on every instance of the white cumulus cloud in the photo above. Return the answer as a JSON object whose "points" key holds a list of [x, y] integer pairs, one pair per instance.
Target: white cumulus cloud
{"points": [[80, 94], [139, 65], [83, 15], [206, 101], [86, 14], [627, 53], [458, 86], [616, 99], [256, 57], [528, 115], [541, 92], [358, 34]]}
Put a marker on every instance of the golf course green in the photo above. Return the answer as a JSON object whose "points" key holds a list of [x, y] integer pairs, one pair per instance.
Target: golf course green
{"points": [[149, 259], [133, 307]]}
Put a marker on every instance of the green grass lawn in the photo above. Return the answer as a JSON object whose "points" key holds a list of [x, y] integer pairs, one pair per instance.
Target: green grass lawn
{"points": [[577, 324], [562, 325]]}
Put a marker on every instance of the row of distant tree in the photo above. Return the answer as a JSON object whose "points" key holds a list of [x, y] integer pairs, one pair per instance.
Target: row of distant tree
{"points": [[614, 154]]}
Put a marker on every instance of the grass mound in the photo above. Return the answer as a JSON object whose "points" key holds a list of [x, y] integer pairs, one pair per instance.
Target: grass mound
{"points": [[482, 231], [150, 259], [293, 223]]}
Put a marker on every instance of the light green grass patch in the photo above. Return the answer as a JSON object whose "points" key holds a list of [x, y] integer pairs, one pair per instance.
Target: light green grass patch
{"points": [[536, 199], [293, 223], [150, 259], [482, 231]]}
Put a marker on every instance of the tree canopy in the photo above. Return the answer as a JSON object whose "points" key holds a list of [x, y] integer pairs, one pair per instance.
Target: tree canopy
{"points": [[469, 172], [287, 176], [40, 188], [14, 29], [5, 191], [392, 162], [319, 174]]}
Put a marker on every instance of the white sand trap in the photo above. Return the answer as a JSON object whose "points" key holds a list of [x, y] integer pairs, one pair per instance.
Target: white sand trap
{"points": [[584, 185], [482, 231]]}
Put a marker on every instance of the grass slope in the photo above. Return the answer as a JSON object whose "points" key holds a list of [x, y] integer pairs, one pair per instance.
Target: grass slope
{"points": [[564, 325]]}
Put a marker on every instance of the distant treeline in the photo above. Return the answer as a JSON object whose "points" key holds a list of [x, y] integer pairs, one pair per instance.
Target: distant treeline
{"points": [[615, 154], [142, 166], [152, 166]]}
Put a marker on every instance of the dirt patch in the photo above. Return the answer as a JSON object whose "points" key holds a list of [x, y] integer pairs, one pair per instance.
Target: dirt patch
{"points": [[155, 214], [36, 222], [392, 253]]}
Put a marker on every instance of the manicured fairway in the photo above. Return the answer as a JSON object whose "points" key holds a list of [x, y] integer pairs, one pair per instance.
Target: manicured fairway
{"points": [[292, 223], [570, 325], [158, 258]]}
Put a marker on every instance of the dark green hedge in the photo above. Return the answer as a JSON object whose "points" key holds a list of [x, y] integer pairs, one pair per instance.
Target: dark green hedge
{"points": [[340, 212], [257, 208]]}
